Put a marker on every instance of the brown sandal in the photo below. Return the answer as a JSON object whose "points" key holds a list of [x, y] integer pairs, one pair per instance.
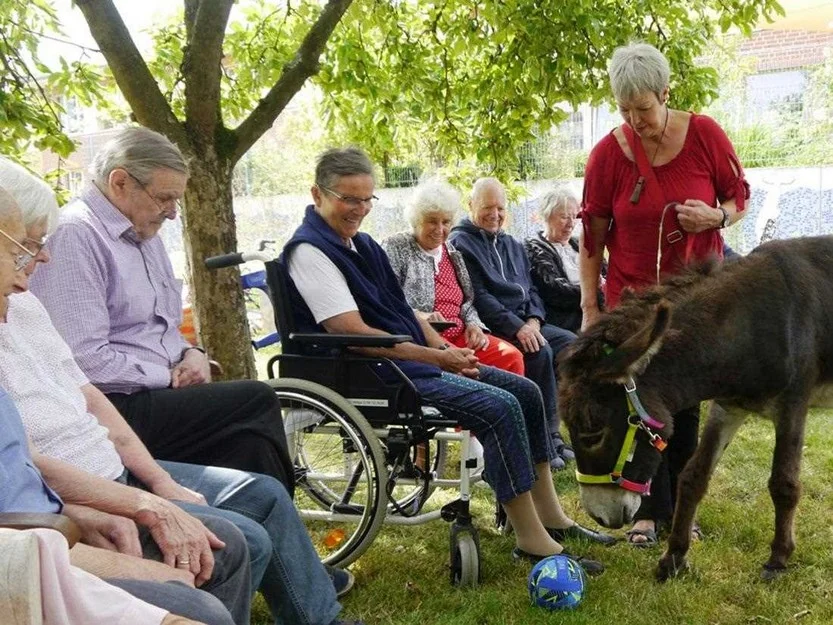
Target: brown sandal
{"points": [[650, 538]]}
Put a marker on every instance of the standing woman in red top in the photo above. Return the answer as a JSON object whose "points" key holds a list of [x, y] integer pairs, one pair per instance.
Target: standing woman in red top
{"points": [[657, 191]]}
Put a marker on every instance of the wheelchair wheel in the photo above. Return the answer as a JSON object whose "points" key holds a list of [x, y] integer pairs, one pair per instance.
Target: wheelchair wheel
{"points": [[339, 469], [465, 562]]}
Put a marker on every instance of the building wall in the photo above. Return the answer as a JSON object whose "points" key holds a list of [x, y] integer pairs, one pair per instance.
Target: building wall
{"points": [[778, 50]]}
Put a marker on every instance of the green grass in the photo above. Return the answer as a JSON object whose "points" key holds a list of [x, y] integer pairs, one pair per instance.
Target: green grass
{"points": [[403, 578]]}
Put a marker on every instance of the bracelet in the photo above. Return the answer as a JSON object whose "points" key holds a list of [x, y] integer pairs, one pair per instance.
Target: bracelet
{"points": [[444, 347]]}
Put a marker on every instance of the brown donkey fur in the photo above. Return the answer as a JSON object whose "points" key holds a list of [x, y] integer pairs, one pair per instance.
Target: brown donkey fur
{"points": [[755, 335]]}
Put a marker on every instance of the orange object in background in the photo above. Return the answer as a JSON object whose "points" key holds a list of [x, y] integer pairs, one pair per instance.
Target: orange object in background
{"points": [[334, 538], [189, 332]]}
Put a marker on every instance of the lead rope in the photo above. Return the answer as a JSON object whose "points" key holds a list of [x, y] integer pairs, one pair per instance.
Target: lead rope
{"points": [[659, 240]]}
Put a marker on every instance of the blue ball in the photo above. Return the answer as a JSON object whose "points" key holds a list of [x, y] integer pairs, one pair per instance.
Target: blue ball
{"points": [[557, 583]]}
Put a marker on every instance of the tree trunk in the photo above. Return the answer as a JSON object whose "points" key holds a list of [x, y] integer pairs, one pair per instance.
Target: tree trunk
{"points": [[219, 307]]}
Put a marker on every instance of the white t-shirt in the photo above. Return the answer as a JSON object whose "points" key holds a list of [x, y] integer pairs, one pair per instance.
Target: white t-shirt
{"points": [[320, 282], [569, 259], [38, 372]]}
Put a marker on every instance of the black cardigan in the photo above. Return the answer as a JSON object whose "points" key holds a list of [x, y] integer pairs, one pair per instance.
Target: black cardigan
{"points": [[562, 298]]}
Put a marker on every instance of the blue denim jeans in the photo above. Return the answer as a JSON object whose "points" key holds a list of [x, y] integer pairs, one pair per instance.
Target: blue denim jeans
{"points": [[295, 584], [506, 413], [540, 367]]}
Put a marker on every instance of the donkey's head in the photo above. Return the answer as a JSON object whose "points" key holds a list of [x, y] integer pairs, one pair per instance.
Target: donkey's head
{"points": [[617, 444]]}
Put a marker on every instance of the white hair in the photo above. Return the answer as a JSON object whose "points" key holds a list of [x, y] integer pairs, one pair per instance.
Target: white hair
{"points": [[557, 199], [34, 197], [433, 195], [140, 151], [482, 184], [638, 68]]}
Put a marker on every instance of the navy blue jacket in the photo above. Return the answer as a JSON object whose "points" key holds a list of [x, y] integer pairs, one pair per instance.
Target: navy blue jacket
{"points": [[503, 291], [373, 284]]}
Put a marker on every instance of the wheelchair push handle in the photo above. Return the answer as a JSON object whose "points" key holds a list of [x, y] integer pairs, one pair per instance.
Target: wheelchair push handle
{"points": [[235, 258]]}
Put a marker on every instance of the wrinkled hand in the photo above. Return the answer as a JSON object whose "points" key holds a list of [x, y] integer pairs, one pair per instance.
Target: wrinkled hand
{"points": [[168, 489], [530, 337], [460, 360], [589, 317], [106, 531], [696, 216], [192, 370], [475, 338], [179, 536]]}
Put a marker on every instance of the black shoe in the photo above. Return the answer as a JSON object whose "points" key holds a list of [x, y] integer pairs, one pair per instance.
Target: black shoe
{"points": [[582, 533], [591, 567], [562, 449], [557, 463], [342, 580]]}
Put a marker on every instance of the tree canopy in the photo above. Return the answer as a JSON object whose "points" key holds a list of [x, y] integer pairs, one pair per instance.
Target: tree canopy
{"points": [[461, 80]]}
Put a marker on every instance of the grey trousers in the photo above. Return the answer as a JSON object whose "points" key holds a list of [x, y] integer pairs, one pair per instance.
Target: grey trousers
{"points": [[177, 598]]}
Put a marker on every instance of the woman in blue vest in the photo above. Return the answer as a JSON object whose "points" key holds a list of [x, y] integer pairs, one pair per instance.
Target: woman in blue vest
{"points": [[341, 282]]}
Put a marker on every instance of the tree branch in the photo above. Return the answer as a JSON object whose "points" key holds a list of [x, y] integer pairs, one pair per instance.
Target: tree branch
{"points": [[293, 77], [201, 67], [130, 70]]}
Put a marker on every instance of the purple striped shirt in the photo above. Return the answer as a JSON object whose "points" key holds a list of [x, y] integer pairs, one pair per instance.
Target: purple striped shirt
{"points": [[113, 298]]}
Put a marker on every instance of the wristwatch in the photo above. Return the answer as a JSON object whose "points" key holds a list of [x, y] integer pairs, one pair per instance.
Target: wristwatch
{"points": [[725, 221]]}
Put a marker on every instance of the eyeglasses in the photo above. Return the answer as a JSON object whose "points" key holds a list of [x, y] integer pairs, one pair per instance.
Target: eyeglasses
{"points": [[21, 259], [177, 203], [36, 245], [350, 200]]}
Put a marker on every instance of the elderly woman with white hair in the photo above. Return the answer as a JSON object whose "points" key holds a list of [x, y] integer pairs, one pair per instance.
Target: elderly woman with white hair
{"points": [[658, 190], [434, 277], [553, 257]]}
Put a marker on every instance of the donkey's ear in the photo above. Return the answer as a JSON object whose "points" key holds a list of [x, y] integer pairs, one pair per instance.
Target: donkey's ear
{"points": [[632, 355]]}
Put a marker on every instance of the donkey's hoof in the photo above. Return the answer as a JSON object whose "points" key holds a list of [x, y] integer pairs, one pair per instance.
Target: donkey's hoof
{"points": [[770, 572], [670, 566]]}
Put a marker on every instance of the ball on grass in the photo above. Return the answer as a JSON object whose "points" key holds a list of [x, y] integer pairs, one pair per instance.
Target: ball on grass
{"points": [[556, 583]]}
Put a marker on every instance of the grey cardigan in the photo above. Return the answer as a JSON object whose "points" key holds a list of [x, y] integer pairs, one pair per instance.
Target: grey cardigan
{"points": [[415, 271]]}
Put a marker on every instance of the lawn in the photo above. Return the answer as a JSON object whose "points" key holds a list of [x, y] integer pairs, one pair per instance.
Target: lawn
{"points": [[403, 578]]}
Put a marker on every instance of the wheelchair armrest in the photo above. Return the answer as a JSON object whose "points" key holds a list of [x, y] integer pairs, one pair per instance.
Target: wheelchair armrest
{"points": [[349, 340], [31, 520]]}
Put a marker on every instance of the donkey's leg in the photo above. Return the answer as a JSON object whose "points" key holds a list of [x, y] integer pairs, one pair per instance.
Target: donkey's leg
{"points": [[784, 484], [693, 483]]}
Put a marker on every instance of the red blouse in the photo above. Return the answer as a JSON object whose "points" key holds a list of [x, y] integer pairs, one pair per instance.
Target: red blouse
{"points": [[702, 171], [448, 296]]}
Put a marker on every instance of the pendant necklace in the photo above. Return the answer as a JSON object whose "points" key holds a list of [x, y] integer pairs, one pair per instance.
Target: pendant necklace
{"points": [[640, 182]]}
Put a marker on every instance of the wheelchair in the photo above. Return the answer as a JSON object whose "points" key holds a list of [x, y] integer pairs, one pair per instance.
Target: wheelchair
{"points": [[365, 450]]}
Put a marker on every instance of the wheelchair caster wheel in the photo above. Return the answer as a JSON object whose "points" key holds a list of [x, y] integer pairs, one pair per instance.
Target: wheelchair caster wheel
{"points": [[465, 562]]}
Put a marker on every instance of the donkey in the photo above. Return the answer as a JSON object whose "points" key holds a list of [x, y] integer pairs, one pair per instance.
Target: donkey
{"points": [[755, 335]]}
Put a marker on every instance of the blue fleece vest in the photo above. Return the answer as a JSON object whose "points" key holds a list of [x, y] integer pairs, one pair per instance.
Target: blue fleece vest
{"points": [[372, 283]]}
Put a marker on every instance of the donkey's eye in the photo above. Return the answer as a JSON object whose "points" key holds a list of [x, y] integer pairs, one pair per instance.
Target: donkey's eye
{"points": [[592, 439]]}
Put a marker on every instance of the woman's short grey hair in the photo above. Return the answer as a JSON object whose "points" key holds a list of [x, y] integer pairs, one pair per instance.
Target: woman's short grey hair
{"points": [[557, 199], [34, 197], [140, 151], [338, 162], [432, 196], [638, 68]]}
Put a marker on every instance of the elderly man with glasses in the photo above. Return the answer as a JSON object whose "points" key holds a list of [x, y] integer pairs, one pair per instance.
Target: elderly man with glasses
{"points": [[112, 294]]}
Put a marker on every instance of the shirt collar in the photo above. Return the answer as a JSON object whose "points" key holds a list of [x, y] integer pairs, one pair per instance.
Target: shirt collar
{"points": [[114, 222]]}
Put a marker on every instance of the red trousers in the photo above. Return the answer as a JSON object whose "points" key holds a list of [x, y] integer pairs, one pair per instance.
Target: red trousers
{"points": [[498, 353]]}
